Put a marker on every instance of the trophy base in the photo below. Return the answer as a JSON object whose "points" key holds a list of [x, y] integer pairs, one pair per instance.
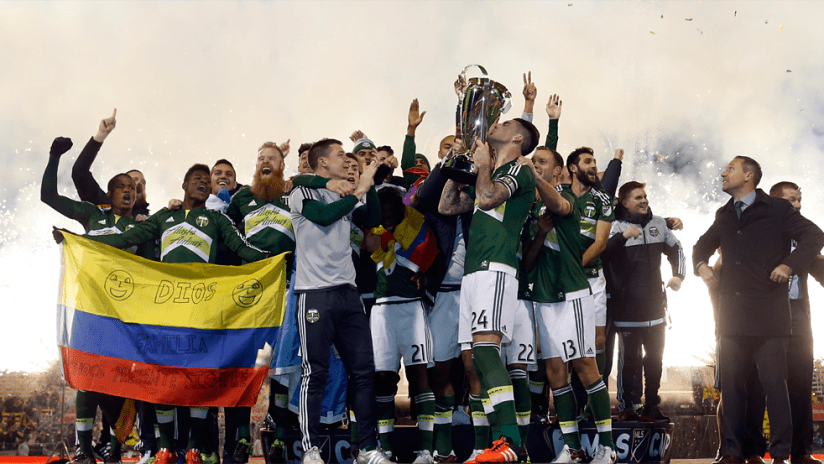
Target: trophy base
{"points": [[460, 169]]}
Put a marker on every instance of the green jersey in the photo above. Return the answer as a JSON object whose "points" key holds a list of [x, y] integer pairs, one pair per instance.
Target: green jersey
{"points": [[495, 234], [526, 279], [266, 224], [559, 271], [187, 236], [591, 207], [95, 220]]}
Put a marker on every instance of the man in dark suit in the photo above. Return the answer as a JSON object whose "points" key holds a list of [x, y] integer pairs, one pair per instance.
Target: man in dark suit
{"points": [[754, 232], [800, 345]]}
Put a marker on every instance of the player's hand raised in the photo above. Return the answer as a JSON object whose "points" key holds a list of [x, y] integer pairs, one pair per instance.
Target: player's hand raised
{"points": [[60, 145]]}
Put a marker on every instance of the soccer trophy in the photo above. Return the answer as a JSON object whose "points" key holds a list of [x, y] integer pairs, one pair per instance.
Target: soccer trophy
{"points": [[480, 102]]}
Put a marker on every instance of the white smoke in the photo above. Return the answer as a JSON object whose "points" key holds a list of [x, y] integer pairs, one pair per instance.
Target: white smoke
{"points": [[682, 86]]}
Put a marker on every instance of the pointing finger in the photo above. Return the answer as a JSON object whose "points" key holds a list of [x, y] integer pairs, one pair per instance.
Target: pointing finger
{"points": [[114, 113]]}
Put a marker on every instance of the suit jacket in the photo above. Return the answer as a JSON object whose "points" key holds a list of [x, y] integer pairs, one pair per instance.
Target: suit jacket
{"points": [[754, 245]]}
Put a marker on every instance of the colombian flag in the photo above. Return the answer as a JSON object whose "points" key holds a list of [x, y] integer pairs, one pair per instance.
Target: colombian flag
{"points": [[182, 334]]}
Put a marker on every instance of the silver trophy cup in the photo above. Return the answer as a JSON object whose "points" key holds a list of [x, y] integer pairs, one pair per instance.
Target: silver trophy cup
{"points": [[480, 102]]}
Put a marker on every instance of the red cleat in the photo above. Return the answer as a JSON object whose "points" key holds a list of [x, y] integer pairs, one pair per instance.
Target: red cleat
{"points": [[503, 451]]}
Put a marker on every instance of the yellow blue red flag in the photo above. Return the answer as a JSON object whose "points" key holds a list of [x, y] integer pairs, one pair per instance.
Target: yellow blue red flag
{"points": [[183, 334]]}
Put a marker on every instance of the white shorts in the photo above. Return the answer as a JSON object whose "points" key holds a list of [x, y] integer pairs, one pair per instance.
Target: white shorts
{"points": [[399, 330], [598, 285], [443, 325], [488, 302], [567, 329], [521, 350]]}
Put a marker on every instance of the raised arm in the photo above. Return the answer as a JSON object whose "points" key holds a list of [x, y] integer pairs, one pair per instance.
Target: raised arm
{"points": [[87, 187], [553, 110], [48, 188], [414, 119], [530, 93], [609, 180]]}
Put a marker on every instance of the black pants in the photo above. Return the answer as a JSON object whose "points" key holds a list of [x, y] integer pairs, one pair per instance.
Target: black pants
{"points": [[738, 354], [335, 315], [800, 378], [146, 421], [633, 361]]}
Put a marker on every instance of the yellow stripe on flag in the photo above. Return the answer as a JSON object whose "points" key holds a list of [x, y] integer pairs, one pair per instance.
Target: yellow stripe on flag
{"points": [[104, 281]]}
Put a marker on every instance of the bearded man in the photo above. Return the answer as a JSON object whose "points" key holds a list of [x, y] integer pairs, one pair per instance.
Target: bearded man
{"points": [[266, 222]]}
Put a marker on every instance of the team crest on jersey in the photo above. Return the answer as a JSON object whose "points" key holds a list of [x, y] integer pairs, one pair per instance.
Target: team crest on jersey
{"points": [[312, 316], [202, 221], [653, 231], [589, 210], [640, 443], [606, 210], [484, 263]]}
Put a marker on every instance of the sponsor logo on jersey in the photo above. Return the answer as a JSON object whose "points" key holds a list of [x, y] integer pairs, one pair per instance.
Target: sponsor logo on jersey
{"points": [[171, 219], [589, 210], [102, 221], [653, 231], [119, 285], [606, 210], [202, 221], [485, 264], [252, 203], [312, 316]]}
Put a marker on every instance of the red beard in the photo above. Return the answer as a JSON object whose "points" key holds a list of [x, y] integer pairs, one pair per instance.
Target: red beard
{"points": [[268, 189]]}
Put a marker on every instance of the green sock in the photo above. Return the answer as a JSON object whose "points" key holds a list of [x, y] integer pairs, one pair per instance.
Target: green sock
{"points": [[601, 359], [443, 424], [197, 429], [565, 408], [480, 423], [598, 399], [280, 414], [425, 402], [353, 429], [386, 420], [523, 402], [115, 449], [85, 405], [166, 426], [495, 380]]}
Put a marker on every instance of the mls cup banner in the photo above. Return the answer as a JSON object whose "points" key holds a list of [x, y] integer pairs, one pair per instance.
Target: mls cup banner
{"points": [[183, 334]]}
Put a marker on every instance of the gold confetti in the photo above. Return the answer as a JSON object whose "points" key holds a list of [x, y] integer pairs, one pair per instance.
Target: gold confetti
{"points": [[651, 32]]}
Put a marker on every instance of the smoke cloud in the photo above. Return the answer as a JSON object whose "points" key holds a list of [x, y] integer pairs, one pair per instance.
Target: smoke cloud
{"points": [[681, 86]]}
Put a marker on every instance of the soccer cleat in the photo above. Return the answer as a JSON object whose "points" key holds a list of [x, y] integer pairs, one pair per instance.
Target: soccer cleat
{"points": [[242, 449], [277, 452], [312, 457], [472, 457], [569, 456], [424, 457], [375, 456], [83, 458], [113, 459], [629, 415], [503, 450], [165, 456], [210, 458], [193, 456], [444, 459], [653, 414], [146, 458], [604, 455]]}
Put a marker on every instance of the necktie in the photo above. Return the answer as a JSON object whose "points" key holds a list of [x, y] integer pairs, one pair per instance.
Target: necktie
{"points": [[739, 208]]}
